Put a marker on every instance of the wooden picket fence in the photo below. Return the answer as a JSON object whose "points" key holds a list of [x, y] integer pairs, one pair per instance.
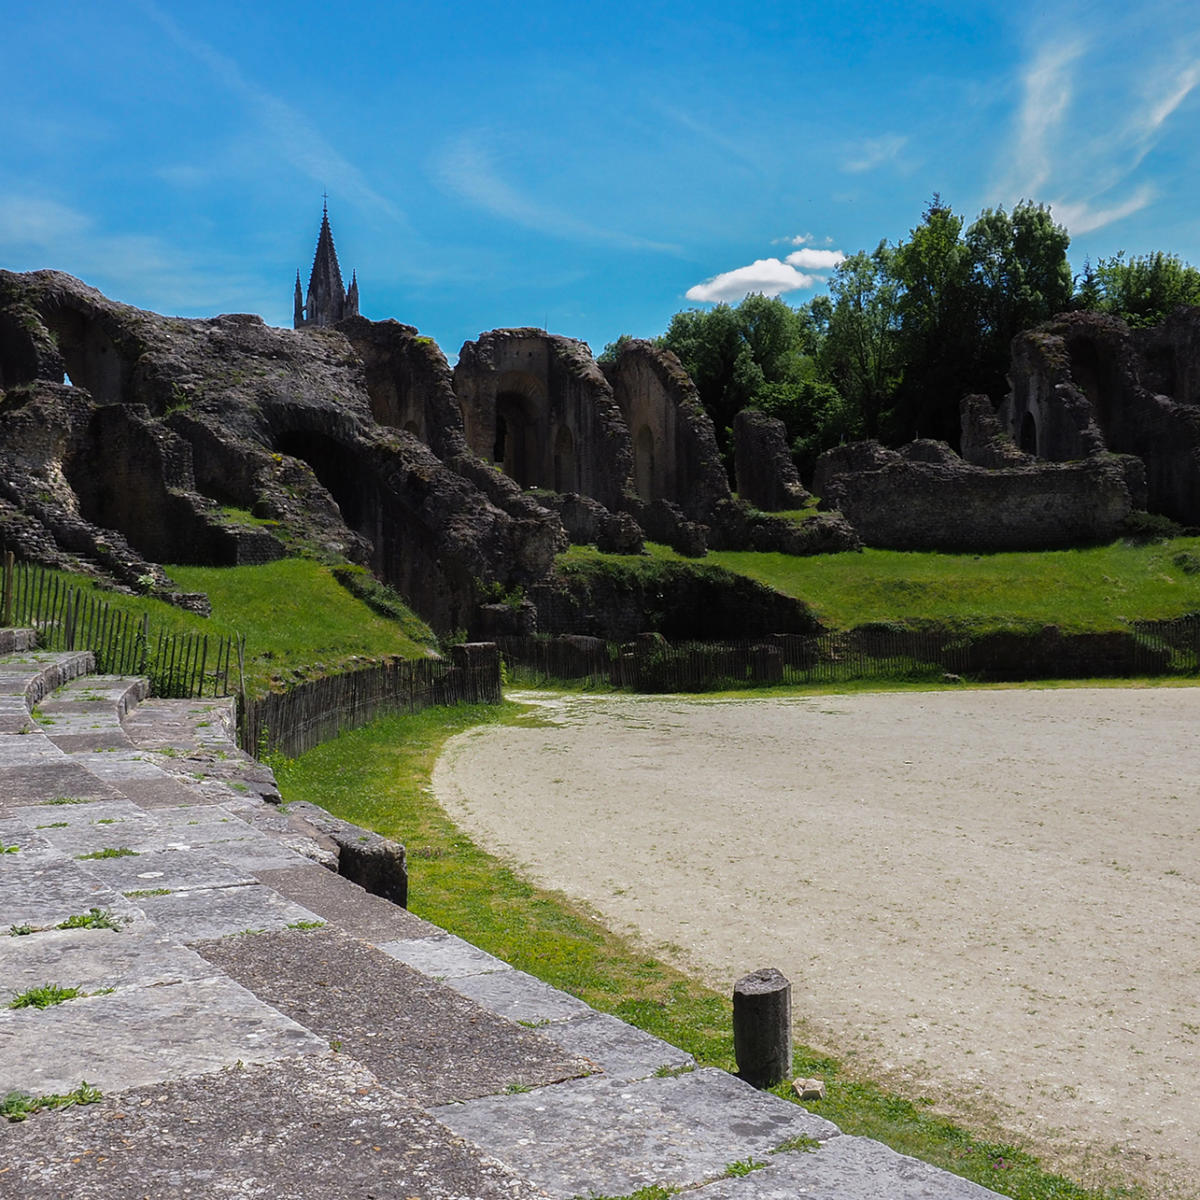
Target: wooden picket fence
{"points": [[70, 617], [291, 722], [877, 652]]}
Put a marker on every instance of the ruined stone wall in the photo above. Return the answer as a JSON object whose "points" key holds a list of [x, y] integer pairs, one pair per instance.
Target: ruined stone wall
{"points": [[925, 497], [189, 415], [1084, 383], [766, 475], [675, 455], [537, 404]]}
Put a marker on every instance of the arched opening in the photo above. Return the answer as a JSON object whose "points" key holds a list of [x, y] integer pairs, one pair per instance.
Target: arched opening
{"points": [[90, 358], [1028, 440], [339, 471], [643, 463], [564, 462], [511, 447]]}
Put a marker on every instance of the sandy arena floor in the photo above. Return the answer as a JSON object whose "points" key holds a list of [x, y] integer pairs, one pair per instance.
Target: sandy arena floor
{"points": [[990, 897]]}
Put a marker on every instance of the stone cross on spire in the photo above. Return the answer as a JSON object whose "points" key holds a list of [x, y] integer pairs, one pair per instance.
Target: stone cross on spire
{"points": [[327, 301]]}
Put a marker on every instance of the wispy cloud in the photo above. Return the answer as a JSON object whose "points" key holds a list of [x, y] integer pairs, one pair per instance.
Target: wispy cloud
{"points": [[40, 232], [875, 152], [1047, 86], [293, 136], [469, 170], [1087, 121], [1086, 216]]}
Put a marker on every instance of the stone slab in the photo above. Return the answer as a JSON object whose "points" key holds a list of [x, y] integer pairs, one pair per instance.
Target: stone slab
{"points": [[179, 868], [519, 997], [346, 905], [414, 1034], [619, 1050], [137, 1036], [32, 784], [604, 1137], [846, 1168], [444, 956], [309, 1128], [43, 889], [138, 955], [196, 914], [82, 828]]}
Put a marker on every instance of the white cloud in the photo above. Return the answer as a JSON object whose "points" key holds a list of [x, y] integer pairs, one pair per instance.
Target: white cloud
{"points": [[469, 170], [815, 260], [766, 275], [875, 152]]}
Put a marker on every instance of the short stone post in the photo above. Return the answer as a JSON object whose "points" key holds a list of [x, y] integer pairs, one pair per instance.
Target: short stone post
{"points": [[762, 1027]]}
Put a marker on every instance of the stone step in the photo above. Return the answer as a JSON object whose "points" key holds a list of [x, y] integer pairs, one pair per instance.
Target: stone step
{"points": [[14, 641], [87, 712], [26, 677]]}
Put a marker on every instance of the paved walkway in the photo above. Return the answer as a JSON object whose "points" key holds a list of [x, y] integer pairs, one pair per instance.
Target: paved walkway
{"points": [[259, 1025]]}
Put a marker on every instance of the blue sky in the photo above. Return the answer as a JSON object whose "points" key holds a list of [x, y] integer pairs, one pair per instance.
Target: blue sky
{"points": [[579, 166]]}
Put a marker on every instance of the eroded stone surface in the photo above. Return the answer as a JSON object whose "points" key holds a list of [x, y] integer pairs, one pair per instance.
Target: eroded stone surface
{"points": [[611, 1138], [308, 1128]]}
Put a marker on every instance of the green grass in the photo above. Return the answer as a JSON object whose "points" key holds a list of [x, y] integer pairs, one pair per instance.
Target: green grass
{"points": [[109, 852], [1095, 587], [298, 621], [379, 777]]}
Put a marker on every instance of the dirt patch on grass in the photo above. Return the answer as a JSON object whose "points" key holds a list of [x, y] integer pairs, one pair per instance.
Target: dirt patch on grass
{"points": [[989, 897]]}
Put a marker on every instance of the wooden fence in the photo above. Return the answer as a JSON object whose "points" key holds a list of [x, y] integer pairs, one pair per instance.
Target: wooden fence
{"points": [[291, 722], [72, 617], [875, 652]]}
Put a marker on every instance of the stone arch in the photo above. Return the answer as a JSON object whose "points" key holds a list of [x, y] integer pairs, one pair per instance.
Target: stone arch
{"points": [[90, 357], [339, 470], [645, 460], [515, 431], [1029, 433], [566, 474]]}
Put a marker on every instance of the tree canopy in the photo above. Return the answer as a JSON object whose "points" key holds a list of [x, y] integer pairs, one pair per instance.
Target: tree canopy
{"points": [[908, 329]]}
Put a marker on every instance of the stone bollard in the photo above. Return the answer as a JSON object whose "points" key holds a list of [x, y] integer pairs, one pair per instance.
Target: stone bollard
{"points": [[762, 1027]]}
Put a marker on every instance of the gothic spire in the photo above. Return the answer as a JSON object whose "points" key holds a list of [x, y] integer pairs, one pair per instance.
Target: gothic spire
{"points": [[327, 301]]}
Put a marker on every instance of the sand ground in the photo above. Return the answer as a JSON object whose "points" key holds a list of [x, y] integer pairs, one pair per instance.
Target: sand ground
{"points": [[989, 897]]}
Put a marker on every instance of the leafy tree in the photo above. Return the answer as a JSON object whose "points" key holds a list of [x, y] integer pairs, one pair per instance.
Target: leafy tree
{"points": [[860, 354], [1021, 277], [1142, 290]]}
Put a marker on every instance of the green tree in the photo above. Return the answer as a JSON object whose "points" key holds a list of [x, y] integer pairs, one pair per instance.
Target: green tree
{"points": [[1021, 278], [1142, 290], [860, 352]]}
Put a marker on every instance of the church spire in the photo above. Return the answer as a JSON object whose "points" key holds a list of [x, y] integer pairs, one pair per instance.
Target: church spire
{"points": [[327, 301]]}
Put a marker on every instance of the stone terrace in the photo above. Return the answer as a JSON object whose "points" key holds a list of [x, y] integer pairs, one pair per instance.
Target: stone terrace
{"points": [[260, 1026]]}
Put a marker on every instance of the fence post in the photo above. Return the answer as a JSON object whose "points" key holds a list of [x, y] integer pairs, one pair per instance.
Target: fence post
{"points": [[8, 587]]}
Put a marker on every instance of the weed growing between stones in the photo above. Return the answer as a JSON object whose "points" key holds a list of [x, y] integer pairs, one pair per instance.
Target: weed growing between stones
{"points": [[801, 1142], [94, 918], [20, 930], [16, 1106], [110, 852], [743, 1166], [44, 996]]}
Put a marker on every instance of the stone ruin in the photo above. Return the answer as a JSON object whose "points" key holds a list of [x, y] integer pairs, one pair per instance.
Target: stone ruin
{"points": [[128, 439], [1101, 421]]}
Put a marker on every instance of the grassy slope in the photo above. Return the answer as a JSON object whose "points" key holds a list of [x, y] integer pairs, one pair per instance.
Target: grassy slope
{"points": [[1096, 587], [380, 777], [297, 619]]}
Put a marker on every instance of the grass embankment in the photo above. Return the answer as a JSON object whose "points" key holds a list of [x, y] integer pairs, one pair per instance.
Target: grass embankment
{"points": [[1086, 589], [379, 777], [298, 621]]}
